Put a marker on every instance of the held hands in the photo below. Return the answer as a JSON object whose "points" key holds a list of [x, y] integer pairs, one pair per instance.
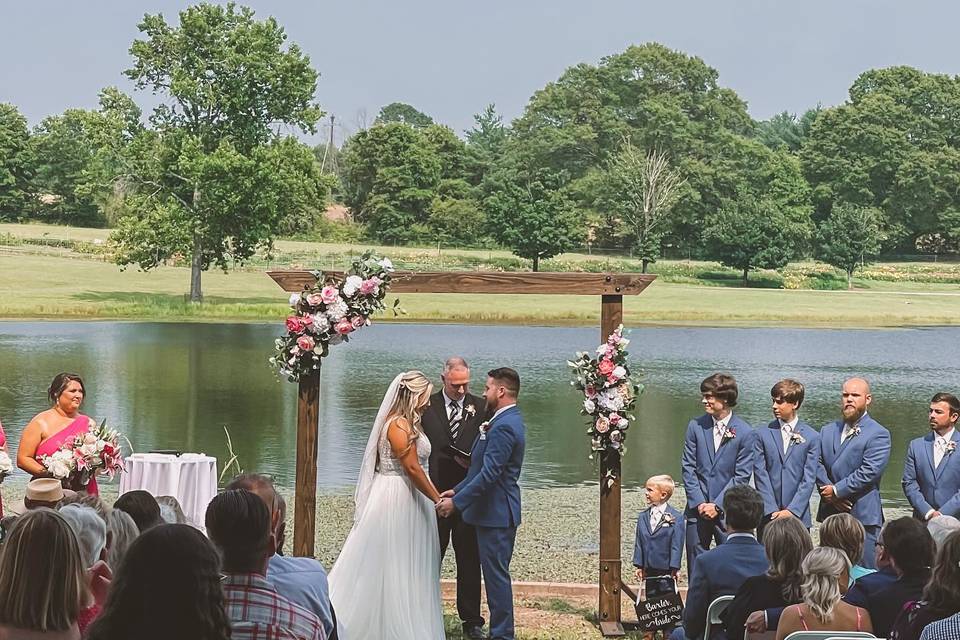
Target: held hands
{"points": [[708, 510], [445, 505], [829, 494], [756, 622]]}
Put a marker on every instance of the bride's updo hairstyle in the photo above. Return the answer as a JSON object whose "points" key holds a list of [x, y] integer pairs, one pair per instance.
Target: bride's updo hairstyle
{"points": [[822, 570], [414, 391]]}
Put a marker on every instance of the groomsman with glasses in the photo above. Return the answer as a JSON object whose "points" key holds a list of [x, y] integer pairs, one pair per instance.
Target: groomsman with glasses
{"points": [[931, 472], [452, 423]]}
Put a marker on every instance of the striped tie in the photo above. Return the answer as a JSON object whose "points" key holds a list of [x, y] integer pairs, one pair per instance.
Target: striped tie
{"points": [[455, 419]]}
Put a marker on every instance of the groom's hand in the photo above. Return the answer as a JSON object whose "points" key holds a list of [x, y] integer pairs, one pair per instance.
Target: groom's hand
{"points": [[447, 494], [445, 507]]}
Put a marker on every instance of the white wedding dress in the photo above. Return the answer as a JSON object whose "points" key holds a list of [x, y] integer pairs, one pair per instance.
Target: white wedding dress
{"points": [[385, 585]]}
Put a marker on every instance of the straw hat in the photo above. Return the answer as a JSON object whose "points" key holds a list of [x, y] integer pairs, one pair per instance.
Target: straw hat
{"points": [[41, 490]]}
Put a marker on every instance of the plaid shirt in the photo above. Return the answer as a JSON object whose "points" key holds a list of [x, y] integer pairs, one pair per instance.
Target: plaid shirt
{"points": [[257, 612]]}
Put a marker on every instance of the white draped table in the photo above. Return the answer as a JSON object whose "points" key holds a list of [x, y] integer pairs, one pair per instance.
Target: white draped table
{"points": [[190, 477]]}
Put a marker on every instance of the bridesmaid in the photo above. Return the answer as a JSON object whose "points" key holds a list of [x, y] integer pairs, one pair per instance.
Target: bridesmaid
{"points": [[49, 429]]}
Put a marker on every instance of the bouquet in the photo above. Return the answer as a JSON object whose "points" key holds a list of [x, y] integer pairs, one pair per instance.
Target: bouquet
{"points": [[326, 313], [95, 452], [610, 393]]}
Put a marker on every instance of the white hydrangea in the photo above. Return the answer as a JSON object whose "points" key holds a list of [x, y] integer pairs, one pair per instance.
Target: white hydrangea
{"points": [[337, 310], [351, 285], [320, 323]]}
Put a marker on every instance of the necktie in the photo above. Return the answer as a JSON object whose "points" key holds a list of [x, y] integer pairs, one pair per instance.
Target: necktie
{"points": [[455, 419], [787, 432], [655, 516], [938, 451]]}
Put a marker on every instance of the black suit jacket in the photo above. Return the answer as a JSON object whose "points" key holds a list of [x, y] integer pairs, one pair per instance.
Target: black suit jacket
{"points": [[445, 472], [885, 606]]}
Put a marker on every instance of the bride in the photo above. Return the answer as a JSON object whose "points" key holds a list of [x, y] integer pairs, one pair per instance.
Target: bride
{"points": [[386, 583]]}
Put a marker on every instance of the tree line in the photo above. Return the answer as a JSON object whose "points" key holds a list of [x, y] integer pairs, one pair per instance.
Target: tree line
{"points": [[642, 152]]}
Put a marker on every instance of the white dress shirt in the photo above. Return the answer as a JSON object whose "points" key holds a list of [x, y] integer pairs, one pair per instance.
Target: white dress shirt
{"points": [[786, 431], [720, 428], [448, 401], [940, 446], [501, 410], [656, 515]]}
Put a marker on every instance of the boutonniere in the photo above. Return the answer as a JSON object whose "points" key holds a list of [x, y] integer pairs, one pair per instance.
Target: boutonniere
{"points": [[855, 431], [796, 438], [472, 410], [950, 447], [667, 520], [484, 427], [728, 434]]}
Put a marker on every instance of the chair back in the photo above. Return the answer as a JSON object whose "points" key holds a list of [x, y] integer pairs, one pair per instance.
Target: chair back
{"points": [[718, 606], [766, 635], [828, 635]]}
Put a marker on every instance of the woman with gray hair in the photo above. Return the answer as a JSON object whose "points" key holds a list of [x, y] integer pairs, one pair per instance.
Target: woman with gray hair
{"points": [[123, 531], [826, 574]]}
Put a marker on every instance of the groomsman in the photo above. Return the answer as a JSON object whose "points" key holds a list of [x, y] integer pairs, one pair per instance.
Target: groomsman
{"points": [[717, 454], [786, 456], [854, 451], [931, 473], [452, 423]]}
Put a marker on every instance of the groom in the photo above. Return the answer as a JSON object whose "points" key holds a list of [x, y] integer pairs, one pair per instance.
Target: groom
{"points": [[489, 497]]}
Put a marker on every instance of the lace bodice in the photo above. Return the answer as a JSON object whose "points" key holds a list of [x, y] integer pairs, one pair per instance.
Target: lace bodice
{"points": [[389, 465]]}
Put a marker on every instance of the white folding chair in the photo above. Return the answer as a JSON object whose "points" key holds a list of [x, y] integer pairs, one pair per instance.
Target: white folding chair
{"points": [[718, 606], [828, 635]]}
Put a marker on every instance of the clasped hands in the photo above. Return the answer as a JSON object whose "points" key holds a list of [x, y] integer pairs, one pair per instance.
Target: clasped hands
{"points": [[445, 505], [829, 494]]}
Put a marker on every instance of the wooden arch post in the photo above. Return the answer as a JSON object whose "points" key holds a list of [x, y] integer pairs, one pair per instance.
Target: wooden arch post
{"points": [[611, 287]]}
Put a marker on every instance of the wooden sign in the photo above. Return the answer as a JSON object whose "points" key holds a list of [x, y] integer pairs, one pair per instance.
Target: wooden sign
{"points": [[661, 612]]}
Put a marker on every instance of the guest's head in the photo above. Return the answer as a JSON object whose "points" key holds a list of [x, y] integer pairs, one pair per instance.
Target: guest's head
{"points": [[844, 532], [238, 523], [658, 489], [719, 394], [42, 574], [826, 573], [743, 506], [170, 510], [66, 392], [786, 543], [456, 378], [906, 544], [45, 493], [944, 412], [854, 399], [91, 532], [502, 388], [787, 396], [168, 586], [142, 507], [87, 500], [942, 593], [941, 527], [122, 531], [262, 486]]}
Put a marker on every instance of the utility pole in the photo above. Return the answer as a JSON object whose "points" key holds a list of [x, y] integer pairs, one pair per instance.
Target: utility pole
{"points": [[330, 152]]}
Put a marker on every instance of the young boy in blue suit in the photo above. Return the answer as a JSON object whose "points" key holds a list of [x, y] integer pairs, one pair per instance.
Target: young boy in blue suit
{"points": [[659, 540], [786, 457]]}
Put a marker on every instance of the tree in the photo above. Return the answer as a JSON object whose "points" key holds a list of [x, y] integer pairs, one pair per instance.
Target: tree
{"points": [[849, 236], [787, 131], [641, 190], [404, 113], [214, 179], [486, 143], [16, 163]]}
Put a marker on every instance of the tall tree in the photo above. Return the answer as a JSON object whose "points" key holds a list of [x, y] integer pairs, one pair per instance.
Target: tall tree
{"points": [[850, 236], [16, 163], [404, 113], [211, 184], [486, 143], [787, 131]]}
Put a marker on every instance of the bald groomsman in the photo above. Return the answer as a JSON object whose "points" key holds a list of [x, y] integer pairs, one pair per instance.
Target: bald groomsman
{"points": [[931, 472]]}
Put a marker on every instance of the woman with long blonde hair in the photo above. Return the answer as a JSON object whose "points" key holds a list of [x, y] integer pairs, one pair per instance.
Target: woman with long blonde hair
{"points": [[826, 574], [386, 581]]}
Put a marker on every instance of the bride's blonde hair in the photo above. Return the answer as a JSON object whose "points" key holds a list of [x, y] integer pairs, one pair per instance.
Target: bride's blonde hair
{"points": [[414, 386]]}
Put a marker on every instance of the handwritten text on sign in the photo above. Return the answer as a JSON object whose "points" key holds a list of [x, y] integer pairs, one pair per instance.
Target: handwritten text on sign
{"points": [[661, 612]]}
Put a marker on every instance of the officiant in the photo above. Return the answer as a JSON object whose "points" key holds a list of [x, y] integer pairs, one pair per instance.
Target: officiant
{"points": [[452, 423]]}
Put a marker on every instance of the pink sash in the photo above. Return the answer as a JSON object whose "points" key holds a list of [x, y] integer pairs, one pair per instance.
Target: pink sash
{"points": [[69, 432]]}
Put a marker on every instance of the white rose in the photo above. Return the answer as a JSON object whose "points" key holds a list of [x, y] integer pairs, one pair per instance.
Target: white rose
{"points": [[386, 264], [620, 372], [589, 406], [294, 299], [351, 285]]}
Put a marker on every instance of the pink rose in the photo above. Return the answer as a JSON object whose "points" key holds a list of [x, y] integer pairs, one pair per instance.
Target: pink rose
{"points": [[357, 322], [294, 324], [306, 343], [329, 294], [602, 425], [370, 286], [614, 419], [344, 327], [612, 380], [590, 391], [314, 299], [606, 367]]}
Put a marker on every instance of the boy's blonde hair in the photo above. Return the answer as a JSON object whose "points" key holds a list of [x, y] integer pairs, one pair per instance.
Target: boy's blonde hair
{"points": [[665, 483]]}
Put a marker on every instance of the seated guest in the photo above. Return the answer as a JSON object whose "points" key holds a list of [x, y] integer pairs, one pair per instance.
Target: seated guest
{"points": [[92, 534], [170, 510], [861, 591], [87, 500], [941, 596], [122, 531], [826, 573], [658, 545], [946, 629], [941, 527], [722, 571], [45, 493], [300, 580], [844, 532], [908, 547], [42, 579], [239, 525], [167, 587], [786, 542], [142, 507]]}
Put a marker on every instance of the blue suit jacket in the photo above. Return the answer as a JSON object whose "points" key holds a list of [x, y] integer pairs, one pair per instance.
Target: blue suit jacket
{"points": [[719, 572], [868, 586], [708, 473], [661, 548], [489, 496], [854, 468], [927, 488], [786, 480]]}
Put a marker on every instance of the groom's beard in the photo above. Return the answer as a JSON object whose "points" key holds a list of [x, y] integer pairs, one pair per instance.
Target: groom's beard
{"points": [[489, 412]]}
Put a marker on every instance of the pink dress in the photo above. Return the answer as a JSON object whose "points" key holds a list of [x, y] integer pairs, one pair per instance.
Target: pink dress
{"points": [[69, 432]]}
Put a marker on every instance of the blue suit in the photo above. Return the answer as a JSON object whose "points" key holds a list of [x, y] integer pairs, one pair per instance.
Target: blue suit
{"points": [[659, 550], [786, 480], [927, 487], [855, 469], [719, 572], [489, 499], [708, 473]]}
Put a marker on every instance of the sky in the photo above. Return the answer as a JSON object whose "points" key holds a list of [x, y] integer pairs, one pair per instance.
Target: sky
{"points": [[450, 58]]}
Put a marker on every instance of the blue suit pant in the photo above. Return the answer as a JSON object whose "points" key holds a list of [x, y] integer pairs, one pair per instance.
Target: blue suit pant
{"points": [[700, 533], [496, 551]]}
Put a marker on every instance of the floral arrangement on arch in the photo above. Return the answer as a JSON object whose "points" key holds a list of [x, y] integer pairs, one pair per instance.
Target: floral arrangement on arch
{"points": [[609, 393], [327, 312], [95, 452]]}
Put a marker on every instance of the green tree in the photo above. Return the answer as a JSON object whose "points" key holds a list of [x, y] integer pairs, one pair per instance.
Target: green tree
{"points": [[457, 221], [403, 113], [787, 131], [214, 180], [486, 143], [16, 163], [849, 237]]}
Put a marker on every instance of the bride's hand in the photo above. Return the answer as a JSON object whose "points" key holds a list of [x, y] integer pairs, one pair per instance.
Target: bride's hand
{"points": [[447, 494]]}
